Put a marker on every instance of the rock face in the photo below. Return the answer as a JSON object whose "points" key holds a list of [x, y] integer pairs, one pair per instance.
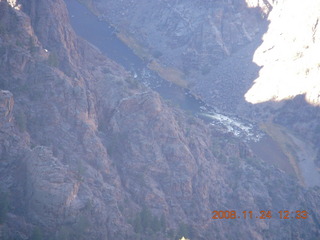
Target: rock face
{"points": [[205, 39], [290, 69], [202, 39], [252, 58], [6, 107], [188, 35], [288, 54], [87, 153]]}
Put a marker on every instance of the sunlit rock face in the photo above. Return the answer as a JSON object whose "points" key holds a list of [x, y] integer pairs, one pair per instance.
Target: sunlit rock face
{"points": [[264, 5], [12, 3], [289, 54]]}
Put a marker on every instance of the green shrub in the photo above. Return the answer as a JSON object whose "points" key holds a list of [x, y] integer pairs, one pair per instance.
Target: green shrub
{"points": [[157, 54], [19, 43], [170, 233], [76, 231], [36, 234], [53, 60], [64, 233], [2, 50], [3, 29], [106, 70], [21, 121], [3, 207], [32, 47], [145, 222], [184, 230], [133, 83]]}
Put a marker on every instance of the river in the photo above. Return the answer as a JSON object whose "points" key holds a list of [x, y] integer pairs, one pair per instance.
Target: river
{"points": [[103, 36]]}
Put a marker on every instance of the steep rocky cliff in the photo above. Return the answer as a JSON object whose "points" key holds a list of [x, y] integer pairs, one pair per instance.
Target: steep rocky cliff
{"points": [[289, 54], [288, 81], [203, 40], [88, 153], [200, 40], [252, 58]]}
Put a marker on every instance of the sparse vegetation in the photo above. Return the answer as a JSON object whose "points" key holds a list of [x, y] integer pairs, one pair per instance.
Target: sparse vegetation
{"points": [[2, 80], [53, 60], [157, 54], [215, 147], [80, 172], [115, 142], [280, 136], [3, 207], [21, 121], [170, 233], [136, 47], [19, 43], [187, 131], [106, 70], [75, 231], [184, 230], [36, 234], [145, 222], [133, 84], [169, 73], [3, 29], [31, 45], [2, 51]]}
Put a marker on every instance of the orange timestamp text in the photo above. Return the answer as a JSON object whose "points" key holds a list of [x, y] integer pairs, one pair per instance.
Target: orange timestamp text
{"points": [[283, 214]]}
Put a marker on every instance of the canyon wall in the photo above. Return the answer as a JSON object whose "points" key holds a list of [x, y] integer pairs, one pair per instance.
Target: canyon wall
{"points": [[87, 152]]}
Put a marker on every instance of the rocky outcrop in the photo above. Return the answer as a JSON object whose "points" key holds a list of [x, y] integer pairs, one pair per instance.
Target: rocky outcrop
{"points": [[195, 43], [192, 35], [290, 70], [6, 107], [288, 51], [87, 153], [265, 5], [233, 54]]}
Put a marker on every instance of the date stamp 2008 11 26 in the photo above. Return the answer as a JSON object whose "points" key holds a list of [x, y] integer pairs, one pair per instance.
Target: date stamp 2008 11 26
{"points": [[283, 214]]}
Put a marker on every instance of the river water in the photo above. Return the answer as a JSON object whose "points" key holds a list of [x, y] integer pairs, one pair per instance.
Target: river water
{"points": [[103, 36]]}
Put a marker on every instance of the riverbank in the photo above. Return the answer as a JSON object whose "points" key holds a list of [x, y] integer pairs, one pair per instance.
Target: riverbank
{"points": [[275, 149], [298, 154]]}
